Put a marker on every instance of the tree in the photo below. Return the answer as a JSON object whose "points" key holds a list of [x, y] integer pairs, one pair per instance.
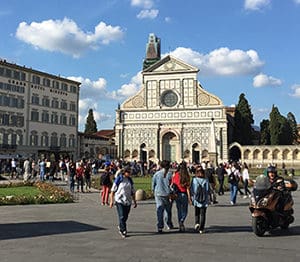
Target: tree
{"points": [[243, 120], [265, 132], [91, 125], [280, 129], [293, 124]]}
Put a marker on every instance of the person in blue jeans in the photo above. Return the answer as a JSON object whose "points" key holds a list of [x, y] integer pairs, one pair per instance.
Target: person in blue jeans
{"points": [[123, 194], [181, 180], [233, 184], [161, 181]]}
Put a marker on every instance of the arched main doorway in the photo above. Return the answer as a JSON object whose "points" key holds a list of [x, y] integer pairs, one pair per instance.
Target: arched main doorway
{"points": [[196, 153], [235, 153], [169, 146], [143, 153]]}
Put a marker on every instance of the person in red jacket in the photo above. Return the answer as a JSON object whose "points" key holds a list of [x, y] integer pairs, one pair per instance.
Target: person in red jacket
{"points": [[79, 177]]}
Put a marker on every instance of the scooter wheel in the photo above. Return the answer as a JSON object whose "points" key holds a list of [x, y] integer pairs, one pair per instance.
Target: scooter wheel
{"points": [[259, 226]]}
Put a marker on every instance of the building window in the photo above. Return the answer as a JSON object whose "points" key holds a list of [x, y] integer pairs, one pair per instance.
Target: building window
{"points": [[72, 120], [55, 103], [7, 72], [55, 84], [21, 103], [46, 82], [64, 105], [72, 141], [34, 116], [54, 118], [44, 139], [63, 140], [45, 117], [23, 76], [35, 100], [13, 102], [64, 87], [16, 75], [73, 107], [36, 79], [73, 89], [46, 101], [54, 140], [20, 121], [19, 138], [63, 119], [33, 141]]}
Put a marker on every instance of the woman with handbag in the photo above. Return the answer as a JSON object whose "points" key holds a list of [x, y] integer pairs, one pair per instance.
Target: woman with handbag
{"points": [[181, 181]]}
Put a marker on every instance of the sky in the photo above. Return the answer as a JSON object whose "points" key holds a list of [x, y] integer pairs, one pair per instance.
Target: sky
{"points": [[239, 46]]}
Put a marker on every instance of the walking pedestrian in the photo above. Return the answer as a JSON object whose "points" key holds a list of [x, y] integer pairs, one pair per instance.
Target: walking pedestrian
{"points": [[123, 194], [79, 177], [161, 181], [181, 180], [106, 183], [233, 180], [72, 172], [245, 176], [42, 165], [200, 198], [220, 174]]}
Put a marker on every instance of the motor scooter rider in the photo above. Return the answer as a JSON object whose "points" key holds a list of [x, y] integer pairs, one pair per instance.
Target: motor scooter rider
{"points": [[277, 183]]}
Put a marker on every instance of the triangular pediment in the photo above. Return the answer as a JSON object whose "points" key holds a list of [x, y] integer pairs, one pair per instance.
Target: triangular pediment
{"points": [[170, 64]]}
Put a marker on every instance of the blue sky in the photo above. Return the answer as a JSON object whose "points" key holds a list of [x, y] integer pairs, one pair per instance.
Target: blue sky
{"points": [[240, 46]]}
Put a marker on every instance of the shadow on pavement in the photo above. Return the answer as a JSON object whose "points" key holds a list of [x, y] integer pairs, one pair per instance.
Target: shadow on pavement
{"points": [[36, 229], [228, 229], [291, 231]]}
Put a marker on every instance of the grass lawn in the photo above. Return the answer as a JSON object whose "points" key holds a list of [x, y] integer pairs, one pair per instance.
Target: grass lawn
{"points": [[27, 191], [22, 193]]}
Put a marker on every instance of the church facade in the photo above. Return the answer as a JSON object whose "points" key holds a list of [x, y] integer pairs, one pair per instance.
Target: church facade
{"points": [[172, 116]]}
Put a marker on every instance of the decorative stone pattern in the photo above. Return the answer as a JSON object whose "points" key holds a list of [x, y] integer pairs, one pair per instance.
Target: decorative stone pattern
{"points": [[170, 131]]}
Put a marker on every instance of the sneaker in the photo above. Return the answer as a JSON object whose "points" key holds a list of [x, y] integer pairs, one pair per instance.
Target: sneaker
{"points": [[169, 227], [197, 227], [159, 231], [201, 231], [245, 197], [123, 234], [232, 203]]}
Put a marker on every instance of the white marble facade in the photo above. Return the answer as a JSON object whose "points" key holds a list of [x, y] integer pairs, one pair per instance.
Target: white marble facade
{"points": [[171, 117]]}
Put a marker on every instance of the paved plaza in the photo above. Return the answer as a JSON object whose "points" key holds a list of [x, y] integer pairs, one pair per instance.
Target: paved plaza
{"points": [[86, 231]]}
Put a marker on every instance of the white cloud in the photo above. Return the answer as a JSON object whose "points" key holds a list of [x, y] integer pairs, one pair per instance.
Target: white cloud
{"points": [[222, 61], [142, 3], [66, 37], [168, 19], [148, 14], [129, 89], [296, 89], [93, 92], [256, 4], [263, 80], [84, 106], [297, 1]]}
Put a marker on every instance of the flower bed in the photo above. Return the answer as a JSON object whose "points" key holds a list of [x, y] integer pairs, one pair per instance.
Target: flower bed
{"points": [[47, 193]]}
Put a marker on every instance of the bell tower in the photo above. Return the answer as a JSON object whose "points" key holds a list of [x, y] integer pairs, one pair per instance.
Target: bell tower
{"points": [[152, 51]]}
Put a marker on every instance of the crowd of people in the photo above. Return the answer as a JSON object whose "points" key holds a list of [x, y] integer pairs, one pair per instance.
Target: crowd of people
{"points": [[183, 184]]}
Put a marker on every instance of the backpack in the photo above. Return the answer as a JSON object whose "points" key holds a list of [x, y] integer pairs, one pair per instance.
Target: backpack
{"points": [[200, 194], [120, 178], [232, 178]]}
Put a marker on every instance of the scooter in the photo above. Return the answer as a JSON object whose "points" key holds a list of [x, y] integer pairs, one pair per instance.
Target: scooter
{"points": [[271, 208]]}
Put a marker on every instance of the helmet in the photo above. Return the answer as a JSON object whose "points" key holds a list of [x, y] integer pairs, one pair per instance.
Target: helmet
{"points": [[271, 169]]}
